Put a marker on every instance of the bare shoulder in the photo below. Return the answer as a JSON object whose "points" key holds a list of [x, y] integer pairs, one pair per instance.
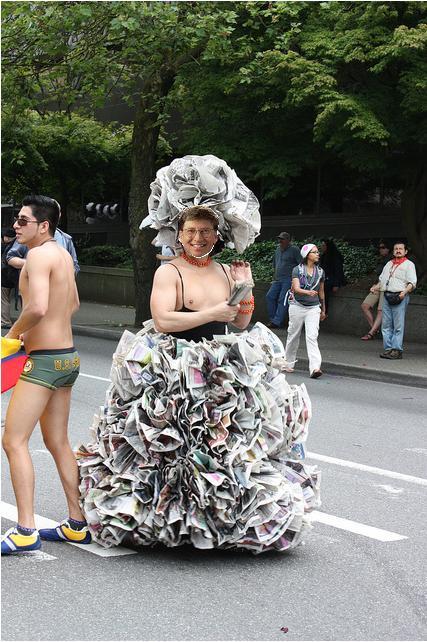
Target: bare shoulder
{"points": [[37, 256], [166, 272], [48, 255], [224, 266]]}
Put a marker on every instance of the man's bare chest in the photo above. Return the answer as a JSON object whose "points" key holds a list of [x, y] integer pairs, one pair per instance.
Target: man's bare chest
{"points": [[201, 289]]}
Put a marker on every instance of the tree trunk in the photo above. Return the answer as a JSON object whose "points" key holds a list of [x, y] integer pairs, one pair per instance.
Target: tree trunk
{"points": [[414, 213], [146, 131], [63, 223], [144, 142]]}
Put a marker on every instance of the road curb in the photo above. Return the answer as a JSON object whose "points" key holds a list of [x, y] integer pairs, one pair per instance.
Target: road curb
{"points": [[101, 333], [328, 367], [370, 374]]}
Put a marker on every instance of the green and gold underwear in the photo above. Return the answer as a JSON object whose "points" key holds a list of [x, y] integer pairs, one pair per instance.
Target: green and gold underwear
{"points": [[52, 368]]}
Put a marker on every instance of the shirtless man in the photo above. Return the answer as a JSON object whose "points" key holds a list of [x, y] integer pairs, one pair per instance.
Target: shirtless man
{"points": [[190, 293], [43, 391]]}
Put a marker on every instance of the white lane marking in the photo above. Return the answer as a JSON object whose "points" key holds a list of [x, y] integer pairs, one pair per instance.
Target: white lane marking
{"points": [[369, 469], [8, 511], [356, 527], [83, 374], [38, 556], [419, 451], [339, 462], [390, 489]]}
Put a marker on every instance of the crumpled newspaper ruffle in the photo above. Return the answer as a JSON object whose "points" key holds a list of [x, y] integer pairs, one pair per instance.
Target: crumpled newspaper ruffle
{"points": [[203, 180], [199, 443]]}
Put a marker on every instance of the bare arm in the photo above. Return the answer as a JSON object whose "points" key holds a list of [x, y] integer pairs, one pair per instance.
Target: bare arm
{"points": [[375, 288], [37, 300], [322, 300], [299, 290], [163, 304], [241, 271], [16, 262]]}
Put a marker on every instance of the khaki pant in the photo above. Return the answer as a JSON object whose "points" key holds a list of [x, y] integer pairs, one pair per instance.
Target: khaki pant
{"points": [[5, 306], [373, 299], [309, 317]]}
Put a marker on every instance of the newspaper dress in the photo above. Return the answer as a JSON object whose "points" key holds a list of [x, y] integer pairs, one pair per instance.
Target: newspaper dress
{"points": [[199, 443]]}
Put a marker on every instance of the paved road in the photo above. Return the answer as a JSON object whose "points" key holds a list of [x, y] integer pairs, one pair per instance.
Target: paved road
{"points": [[339, 586]]}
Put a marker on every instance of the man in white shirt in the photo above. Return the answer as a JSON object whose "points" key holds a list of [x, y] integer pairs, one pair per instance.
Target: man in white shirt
{"points": [[397, 280]]}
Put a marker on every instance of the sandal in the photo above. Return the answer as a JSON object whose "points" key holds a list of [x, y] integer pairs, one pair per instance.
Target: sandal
{"points": [[368, 336]]}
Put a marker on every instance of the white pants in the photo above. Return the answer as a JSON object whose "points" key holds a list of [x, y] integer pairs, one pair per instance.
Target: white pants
{"points": [[309, 317]]}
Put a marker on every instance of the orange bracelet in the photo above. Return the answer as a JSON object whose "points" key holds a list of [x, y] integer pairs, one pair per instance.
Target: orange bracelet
{"points": [[251, 301], [249, 311]]}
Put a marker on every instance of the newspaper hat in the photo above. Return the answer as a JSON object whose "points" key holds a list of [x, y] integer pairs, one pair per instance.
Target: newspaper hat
{"points": [[203, 180], [306, 249]]}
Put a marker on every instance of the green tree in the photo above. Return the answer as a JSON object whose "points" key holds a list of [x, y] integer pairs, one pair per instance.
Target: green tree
{"points": [[70, 156], [74, 55], [321, 83]]}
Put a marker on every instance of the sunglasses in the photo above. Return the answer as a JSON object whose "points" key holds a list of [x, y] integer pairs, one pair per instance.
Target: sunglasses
{"points": [[22, 222], [382, 247]]}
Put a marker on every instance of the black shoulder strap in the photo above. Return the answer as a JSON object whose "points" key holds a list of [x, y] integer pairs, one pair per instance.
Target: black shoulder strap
{"points": [[226, 275], [182, 282]]}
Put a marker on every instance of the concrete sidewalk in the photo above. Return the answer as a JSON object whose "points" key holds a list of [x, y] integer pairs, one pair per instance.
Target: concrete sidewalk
{"points": [[342, 354]]}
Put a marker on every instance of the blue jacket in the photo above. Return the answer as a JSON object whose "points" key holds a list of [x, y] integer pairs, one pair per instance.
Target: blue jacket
{"points": [[64, 239]]}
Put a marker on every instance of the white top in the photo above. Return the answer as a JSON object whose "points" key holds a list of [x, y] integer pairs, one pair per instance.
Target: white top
{"points": [[398, 277], [167, 250]]}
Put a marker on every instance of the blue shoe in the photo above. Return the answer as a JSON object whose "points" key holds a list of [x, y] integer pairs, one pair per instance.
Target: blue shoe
{"points": [[14, 542], [64, 533]]}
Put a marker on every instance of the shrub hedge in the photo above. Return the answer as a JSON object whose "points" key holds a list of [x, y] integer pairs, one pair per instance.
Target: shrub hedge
{"points": [[106, 256], [358, 261]]}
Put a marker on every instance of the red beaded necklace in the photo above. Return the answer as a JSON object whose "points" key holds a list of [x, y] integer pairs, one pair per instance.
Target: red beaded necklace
{"points": [[197, 262]]}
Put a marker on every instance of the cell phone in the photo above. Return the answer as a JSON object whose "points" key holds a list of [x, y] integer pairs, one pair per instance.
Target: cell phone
{"points": [[240, 291]]}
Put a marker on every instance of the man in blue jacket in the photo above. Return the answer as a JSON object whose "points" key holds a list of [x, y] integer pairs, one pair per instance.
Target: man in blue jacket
{"points": [[17, 254], [286, 257]]}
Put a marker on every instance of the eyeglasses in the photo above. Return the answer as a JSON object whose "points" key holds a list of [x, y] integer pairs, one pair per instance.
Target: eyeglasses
{"points": [[22, 222], [206, 232]]}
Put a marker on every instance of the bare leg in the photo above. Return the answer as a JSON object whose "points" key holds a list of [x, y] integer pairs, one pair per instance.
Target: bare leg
{"points": [[54, 425], [368, 314], [25, 408], [377, 323]]}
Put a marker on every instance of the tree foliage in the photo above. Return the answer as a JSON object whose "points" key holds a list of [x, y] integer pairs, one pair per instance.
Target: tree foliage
{"points": [[70, 157], [324, 83], [274, 88], [74, 55]]}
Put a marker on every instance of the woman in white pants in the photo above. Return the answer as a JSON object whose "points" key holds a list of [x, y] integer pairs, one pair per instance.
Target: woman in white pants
{"points": [[306, 308]]}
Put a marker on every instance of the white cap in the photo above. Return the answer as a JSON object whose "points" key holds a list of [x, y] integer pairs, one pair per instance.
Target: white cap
{"points": [[306, 249]]}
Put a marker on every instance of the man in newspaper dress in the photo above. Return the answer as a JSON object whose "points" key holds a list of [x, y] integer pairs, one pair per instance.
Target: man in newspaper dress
{"points": [[200, 438]]}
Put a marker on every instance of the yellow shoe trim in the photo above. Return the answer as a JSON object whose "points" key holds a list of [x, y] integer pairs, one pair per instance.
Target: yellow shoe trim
{"points": [[74, 536], [23, 540]]}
